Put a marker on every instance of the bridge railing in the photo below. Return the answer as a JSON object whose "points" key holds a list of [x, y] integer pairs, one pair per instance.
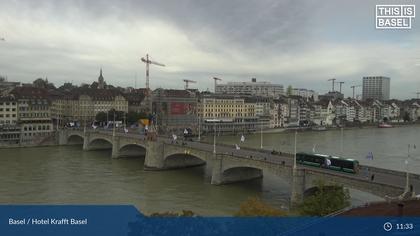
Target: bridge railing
{"points": [[259, 150], [263, 151], [392, 172]]}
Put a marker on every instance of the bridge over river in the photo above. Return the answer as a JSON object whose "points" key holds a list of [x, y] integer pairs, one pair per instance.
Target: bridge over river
{"points": [[230, 165]]}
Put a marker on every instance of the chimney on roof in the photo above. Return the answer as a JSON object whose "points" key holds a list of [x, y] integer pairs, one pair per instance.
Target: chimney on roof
{"points": [[254, 80]]}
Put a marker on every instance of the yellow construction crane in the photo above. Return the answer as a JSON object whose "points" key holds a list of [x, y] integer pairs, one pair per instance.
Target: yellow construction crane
{"points": [[187, 81]]}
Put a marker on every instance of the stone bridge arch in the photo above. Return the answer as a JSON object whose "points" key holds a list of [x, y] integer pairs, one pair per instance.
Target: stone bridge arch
{"points": [[241, 173], [236, 169], [185, 159], [75, 138], [98, 143], [132, 149]]}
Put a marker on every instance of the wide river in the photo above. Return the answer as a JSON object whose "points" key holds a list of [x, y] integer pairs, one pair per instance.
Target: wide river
{"points": [[68, 175]]}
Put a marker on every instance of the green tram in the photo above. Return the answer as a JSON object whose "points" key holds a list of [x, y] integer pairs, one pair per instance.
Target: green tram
{"points": [[334, 163]]}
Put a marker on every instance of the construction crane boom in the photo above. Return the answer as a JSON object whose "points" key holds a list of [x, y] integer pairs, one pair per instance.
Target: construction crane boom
{"points": [[333, 82], [147, 61], [187, 81], [151, 62]]}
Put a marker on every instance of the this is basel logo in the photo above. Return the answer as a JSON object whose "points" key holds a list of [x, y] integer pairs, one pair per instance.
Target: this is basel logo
{"points": [[395, 16]]}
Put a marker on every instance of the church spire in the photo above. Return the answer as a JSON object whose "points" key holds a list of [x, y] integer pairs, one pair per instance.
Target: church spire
{"points": [[101, 81]]}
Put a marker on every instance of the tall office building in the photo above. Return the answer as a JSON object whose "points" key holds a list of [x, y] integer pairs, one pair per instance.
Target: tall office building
{"points": [[376, 87]]}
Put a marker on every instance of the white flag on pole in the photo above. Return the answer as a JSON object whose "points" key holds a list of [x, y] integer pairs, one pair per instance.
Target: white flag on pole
{"points": [[313, 148], [369, 156]]}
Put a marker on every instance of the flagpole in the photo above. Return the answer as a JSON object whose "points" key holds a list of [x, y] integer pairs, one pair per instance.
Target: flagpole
{"points": [[125, 126], [199, 127], [113, 126], [261, 143], [341, 141], [214, 126], [294, 159]]}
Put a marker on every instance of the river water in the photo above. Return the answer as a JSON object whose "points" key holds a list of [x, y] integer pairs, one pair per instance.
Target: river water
{"points": [[68, 175]]}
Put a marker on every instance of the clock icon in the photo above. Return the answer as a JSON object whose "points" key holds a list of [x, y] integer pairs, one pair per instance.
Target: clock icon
{"points": [[387, 226]]}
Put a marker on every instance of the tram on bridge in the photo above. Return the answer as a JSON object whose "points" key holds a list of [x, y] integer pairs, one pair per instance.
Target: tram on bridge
{"points": [[328, 162]]}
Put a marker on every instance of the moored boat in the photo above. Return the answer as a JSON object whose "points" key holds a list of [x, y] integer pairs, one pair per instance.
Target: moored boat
{"points": [[319, 128], [384, 125]]}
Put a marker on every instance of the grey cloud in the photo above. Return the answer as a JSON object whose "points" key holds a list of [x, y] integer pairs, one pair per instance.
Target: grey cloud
{"points": [[244, 24], [251, 36]]}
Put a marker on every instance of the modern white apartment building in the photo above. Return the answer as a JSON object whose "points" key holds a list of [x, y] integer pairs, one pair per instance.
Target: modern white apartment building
{"points": [[305, 93], [265, 89]]}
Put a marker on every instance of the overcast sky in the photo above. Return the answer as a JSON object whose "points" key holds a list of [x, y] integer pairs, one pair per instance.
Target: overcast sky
{"points": [[298, 43]]}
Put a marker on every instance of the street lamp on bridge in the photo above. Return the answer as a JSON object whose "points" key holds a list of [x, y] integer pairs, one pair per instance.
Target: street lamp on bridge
{"points": [[407, 187], [261, 139], [294, 158], [113, 126], [214, 114]]}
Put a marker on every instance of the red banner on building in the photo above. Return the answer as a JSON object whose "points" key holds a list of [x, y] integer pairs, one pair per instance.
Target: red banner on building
{"points": [[180, 108]]}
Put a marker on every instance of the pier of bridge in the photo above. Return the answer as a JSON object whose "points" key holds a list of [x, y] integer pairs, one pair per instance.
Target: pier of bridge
{"points": [[229, 165]]}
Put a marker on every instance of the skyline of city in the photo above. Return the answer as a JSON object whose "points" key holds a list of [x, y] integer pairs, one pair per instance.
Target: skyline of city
{"points": [[303, 46]]}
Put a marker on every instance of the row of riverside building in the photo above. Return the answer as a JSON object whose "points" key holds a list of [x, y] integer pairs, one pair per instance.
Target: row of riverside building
{"points": [[30, 113]]}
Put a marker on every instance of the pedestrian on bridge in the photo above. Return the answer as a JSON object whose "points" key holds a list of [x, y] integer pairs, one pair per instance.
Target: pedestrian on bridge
{"points": [[366, 172], [327, 162]]}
